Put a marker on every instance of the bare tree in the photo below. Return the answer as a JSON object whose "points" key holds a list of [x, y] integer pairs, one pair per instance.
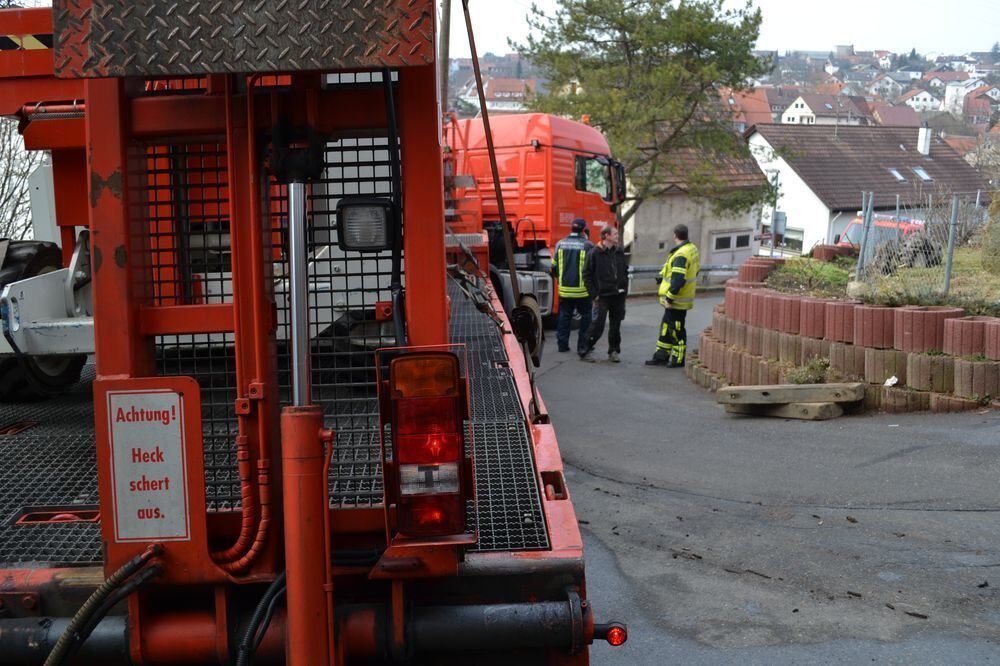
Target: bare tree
{"points": [[16, 164]]}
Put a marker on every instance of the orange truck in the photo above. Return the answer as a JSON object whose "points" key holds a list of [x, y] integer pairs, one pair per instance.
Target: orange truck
{"points": [[299, 436], [552, 169]]}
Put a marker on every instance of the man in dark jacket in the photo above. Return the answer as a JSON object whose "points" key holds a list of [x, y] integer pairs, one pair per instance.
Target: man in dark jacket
{"points": [[571, 252], [606, 275]]}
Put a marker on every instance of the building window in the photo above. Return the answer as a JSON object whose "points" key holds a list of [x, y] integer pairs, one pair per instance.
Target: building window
{"points": [[898, 176], [743, 240], [924, 176], [790, 242], [723, 242]]}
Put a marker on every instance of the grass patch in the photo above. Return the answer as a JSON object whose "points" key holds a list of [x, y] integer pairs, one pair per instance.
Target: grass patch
{"points": [[808, 276], [969, 281]]}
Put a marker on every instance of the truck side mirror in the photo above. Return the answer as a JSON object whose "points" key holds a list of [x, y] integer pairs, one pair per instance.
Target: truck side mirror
{"points": [[621, 188]]}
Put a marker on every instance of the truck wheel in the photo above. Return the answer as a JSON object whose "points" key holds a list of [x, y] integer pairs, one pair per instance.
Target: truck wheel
{"points": [[34, 377]]}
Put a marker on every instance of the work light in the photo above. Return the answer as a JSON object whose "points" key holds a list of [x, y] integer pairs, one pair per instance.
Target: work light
{"points": [[365, 224]]}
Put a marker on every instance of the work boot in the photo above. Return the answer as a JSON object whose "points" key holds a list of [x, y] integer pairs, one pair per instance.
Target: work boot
{"points": [[673, 363], [659, 360], [614, 357]]}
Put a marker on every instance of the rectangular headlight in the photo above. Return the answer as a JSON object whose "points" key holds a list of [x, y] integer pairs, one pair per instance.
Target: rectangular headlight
{"points": [[364, 224]]}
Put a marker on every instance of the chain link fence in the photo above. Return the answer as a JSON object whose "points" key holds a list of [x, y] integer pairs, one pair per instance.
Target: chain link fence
{"points": [[932, 250]]}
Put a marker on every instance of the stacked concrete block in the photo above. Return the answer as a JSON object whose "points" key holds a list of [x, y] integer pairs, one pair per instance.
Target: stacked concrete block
{"points": [[930, 372], [991, 345], [789, 348], [882, 364], [755, 340], [754, 272], [873, 397], [897, 400], [812, 317], [813, 348], [966, 336], [772, 310], [839, 321], [789, 313], [739, 335], [920, 328], [946, 404], [978, 380], [847, 361], [770, 344], [873, 326]]}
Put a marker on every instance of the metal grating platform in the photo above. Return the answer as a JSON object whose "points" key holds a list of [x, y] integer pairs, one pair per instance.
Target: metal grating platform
{"points": [[52, 464]]}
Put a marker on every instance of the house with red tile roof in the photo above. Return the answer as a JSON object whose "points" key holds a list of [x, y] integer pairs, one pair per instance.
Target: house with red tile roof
{"points": [[503, 95], [921, 101], [897, 116], [979, 106], [942, 79], [812, 109], [748, 108], [821, 171]]}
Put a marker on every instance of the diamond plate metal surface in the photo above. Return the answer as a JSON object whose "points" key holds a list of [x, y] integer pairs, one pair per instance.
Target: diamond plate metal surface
{"points": [[96, 38]]}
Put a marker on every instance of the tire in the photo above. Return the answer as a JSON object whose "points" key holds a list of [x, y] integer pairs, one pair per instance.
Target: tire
{"points": [[26, 378]]}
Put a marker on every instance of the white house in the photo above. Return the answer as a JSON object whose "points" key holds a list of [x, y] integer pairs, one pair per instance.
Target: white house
{"points": [[885, 87], [825, 110], [921, 101], [820, 171], [955, 92]]}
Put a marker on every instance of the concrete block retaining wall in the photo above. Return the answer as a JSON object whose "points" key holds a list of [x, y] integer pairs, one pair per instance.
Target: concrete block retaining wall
{"points": [[942, 361]]}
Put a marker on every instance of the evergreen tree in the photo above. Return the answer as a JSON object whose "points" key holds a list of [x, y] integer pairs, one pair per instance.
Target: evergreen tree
{"points": [[647, 72]]}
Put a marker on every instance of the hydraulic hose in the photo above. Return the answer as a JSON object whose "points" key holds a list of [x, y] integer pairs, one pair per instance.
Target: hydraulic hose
{"points": [[250, 643], [124, 592], [83, 616]]}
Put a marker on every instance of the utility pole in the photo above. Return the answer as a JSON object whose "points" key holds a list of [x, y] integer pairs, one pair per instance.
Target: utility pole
{"points": [[444, 50]]}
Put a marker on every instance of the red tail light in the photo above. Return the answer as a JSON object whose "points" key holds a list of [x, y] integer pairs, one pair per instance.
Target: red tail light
{"points": [[426, 401]]}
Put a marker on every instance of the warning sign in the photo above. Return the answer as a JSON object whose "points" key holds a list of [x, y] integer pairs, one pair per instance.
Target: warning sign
{"points": [[149, 470]]}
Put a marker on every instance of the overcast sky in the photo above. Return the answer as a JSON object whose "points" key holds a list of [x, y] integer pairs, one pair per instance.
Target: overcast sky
{"points": [[955, 26]]}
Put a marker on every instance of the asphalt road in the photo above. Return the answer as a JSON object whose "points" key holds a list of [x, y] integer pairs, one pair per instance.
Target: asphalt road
{"points": [[725, 539]]}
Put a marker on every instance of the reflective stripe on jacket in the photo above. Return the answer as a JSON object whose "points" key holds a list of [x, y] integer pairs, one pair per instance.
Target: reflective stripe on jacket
{"points": [[679, 273], [571, 252]]}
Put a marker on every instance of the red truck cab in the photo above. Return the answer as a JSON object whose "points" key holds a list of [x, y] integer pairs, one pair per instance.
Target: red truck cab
{"points": [[553, 169]]}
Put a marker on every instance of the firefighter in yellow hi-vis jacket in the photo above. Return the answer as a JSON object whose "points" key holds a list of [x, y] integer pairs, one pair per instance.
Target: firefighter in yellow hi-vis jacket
{"points": [[677, 288]]}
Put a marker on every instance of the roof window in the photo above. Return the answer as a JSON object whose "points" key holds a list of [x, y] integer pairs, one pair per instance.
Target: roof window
{"points": [[898, 176], [920, 171]]}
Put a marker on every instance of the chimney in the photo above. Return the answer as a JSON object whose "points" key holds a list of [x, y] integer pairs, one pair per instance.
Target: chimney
{"points": [[924, 140]]}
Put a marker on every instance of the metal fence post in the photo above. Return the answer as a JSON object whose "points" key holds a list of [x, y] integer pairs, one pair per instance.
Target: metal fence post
{"points": [[951, 243], [899, 225], [866, 226]]}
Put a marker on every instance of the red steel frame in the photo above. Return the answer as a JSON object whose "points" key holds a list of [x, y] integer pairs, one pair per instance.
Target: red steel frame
{"points": [[91, 152]]}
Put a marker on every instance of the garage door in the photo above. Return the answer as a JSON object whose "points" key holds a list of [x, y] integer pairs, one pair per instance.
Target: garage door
{"points": [[731, 247]]}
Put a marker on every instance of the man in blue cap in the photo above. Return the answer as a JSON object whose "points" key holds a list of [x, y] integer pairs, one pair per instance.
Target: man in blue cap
{"points": [[570, 254]]}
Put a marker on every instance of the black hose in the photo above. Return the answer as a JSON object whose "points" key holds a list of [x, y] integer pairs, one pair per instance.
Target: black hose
{"points": [[82, 617], [247, 646], [266, 622], [124, 592]]}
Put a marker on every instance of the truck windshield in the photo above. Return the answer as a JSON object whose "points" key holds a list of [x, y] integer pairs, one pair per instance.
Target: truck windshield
{"points": [[593, 174], [853, 234]]}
